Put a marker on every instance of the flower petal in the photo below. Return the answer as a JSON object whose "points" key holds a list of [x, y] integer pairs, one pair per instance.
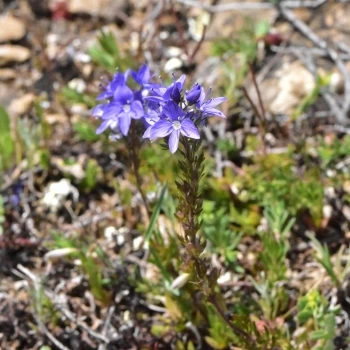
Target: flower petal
{"points": [[173, 111], [103, 126], [112, 110], [213, 102], [147, 133], [154, 98], [123, 94], [161, 128], [104, 94], [188, 129], [208, 112], [98, 110], [124, 123], [138, 110], [174, 141], [181, 82]]}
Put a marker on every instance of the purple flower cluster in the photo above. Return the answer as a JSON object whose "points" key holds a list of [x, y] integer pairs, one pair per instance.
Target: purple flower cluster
{"points": [[165, 111]]}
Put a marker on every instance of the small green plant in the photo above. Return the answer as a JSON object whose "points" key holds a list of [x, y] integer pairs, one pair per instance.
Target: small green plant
{"points": [[93, 263], [6, 143], [72, 96], [310, 99], [242, 51], [85, 131], [272, 179], [92, 173], [273, 258], [107, 54], [331, 152], [216, 228], [336, 270], [318, 318], [2, 215]]}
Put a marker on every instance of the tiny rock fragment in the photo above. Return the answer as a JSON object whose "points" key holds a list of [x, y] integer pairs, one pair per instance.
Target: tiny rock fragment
{"points": [[13, 53], [55, 118], [58, 253], [7, 74], [137, 243], [225, 278], [180, 281], [57, 192], [11, 29], [172, 64], [21, 105], [283, 93], [103, 8], [76, 169], [346, 186], [346, 212]]}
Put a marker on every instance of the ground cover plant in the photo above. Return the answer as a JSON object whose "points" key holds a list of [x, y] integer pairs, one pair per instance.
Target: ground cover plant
{"points": [[174, 175]]}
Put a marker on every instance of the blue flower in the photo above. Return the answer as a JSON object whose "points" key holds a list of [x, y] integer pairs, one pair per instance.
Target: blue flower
{"points": [[142, 76], [207, 107], [118, 113], [119, 79], [173, 121], [172, 93], [192, 96]]}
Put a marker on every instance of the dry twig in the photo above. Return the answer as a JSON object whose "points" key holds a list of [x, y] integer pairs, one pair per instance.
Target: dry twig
{"points": [[340, 112], [253, 5]]}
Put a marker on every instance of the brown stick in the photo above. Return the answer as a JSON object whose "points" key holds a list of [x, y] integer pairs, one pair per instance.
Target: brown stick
{"points": [[235, 329]]}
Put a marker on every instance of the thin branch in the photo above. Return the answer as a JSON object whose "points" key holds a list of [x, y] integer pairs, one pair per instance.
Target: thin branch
{"points": [[307, 60], [315, 51], [260, 117], [235, 329], [261, 103], [199, 44], [258, 6], [304, 29]]}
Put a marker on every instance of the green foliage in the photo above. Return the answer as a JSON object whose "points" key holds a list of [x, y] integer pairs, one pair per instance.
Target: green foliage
{"points": [[155, 215], [220, 335], [279, 221], [86, 131], [72, 96], [43, 306], [314, 310], [236, 54], [331, 152], [320, 83], [245, 43], [273, 258], [272, 179], [23, 138], [92, 173], [6, 142], [324, 258], [107, 54], [216, 228], [93, 262], [153, 161], [2, 215]]}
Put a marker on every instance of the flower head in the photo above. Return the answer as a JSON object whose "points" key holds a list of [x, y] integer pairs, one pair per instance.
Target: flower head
{"points": [[173, 121], [117, 114], [172, 93], [142, 76], [119, 79], [166, 111]]}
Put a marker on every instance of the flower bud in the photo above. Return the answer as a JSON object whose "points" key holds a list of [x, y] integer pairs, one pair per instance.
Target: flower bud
{"points": [[192, 96]]}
